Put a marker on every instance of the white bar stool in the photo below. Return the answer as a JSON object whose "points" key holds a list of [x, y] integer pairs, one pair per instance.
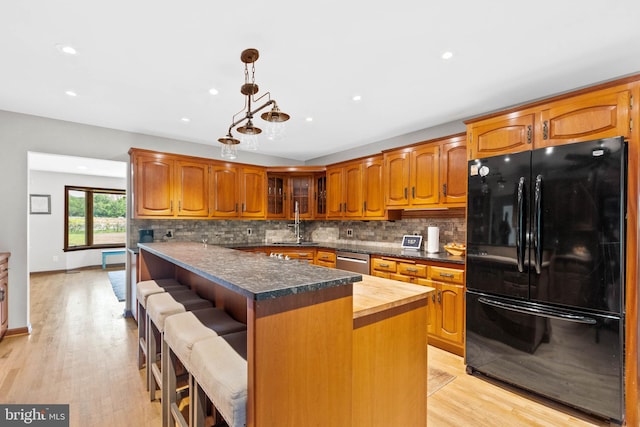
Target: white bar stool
{"points": [[159, 307], [181, 332], [219, 371], [143, 290]]}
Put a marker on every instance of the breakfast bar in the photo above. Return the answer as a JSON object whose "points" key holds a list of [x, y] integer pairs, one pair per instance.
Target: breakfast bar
{"points": [[324, 346]]}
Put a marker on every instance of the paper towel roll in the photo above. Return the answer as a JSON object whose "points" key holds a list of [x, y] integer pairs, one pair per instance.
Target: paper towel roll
{"points": [[433, 239]]}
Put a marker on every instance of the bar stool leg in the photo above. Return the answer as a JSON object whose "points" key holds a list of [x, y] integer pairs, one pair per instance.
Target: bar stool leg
{"points": [[151, 359], [168, 384]]}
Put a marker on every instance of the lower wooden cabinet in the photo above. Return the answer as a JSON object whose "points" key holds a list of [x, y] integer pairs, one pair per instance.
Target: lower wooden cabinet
{"points": [[445, 314], [326, 258]]}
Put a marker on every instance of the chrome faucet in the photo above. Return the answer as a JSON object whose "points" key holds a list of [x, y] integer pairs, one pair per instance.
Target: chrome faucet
{"points": [[296, 222]]}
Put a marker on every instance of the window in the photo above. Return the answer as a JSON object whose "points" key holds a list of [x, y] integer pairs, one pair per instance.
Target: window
{"points": [[94, 218]]}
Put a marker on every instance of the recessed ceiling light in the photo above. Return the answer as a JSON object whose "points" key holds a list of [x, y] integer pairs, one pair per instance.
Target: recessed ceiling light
{"points": [[66, 49], [447, 55], [213, 91], [82, 167], [71, 93], [309, 119], [357, 98], [186, 119]]}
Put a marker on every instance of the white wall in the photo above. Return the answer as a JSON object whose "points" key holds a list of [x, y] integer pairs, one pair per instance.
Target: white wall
{"points": [[46, 232]]}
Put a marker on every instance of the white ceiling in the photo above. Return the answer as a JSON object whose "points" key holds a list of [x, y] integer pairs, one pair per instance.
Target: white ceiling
{"points": [[143, 65]]}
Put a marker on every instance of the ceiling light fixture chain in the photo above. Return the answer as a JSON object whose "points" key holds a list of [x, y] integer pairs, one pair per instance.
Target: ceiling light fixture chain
{"points": [[249, 89]]}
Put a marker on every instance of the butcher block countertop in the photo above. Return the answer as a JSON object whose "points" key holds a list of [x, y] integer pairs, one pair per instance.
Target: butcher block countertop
{"points": [[375, 294]]}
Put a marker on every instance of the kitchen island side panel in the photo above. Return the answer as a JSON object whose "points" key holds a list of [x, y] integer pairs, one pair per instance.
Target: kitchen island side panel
{"points": [[299, 357]]}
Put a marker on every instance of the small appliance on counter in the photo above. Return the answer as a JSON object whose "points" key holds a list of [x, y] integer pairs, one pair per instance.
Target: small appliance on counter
{"points": [[433, 239], [146, 236]]}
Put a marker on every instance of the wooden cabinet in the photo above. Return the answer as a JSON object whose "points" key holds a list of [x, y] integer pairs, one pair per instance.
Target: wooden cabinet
{"points": [[601, 114], [501, 135], [224, 188], [153, 177], [445, 316], [4, 293], [276, 196], [252, 192], [174, 186], [563, 120], [354, 190], [372, 195], [192, 188], [320, 195], [446, 322], [285, 190], [167, 186], [453, 172], [326, 258], [427, 175]]}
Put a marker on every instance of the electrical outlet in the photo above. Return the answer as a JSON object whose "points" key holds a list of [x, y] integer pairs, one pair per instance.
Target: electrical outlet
{"points": [[170, 234], [349, 232], [249, 231], [55, 258]]}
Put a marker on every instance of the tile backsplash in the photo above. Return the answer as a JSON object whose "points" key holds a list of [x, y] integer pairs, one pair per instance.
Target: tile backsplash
{"points": [[260, 231]]}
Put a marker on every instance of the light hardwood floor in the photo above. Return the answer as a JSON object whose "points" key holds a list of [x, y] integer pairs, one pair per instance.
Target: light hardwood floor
{"points": [[83, 352]]}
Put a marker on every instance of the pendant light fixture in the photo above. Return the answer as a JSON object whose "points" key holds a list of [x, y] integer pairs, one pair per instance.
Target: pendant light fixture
{"points": [[245, 116]]}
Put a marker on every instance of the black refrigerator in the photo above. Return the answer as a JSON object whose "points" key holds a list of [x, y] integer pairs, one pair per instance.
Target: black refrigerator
{"points": [[545, 272]]}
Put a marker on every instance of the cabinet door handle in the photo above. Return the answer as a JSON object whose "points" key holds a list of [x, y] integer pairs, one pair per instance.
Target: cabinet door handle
{"points": [[364, 206], [439, 297], [179, 205], [529, 134], [545, 130], [2, 294], [171, 206], [413, 192], [244, 208], [444, 190], [236, 207], [412, 270], [384, 265], [449, 275], [433, 297], [406, 193]]}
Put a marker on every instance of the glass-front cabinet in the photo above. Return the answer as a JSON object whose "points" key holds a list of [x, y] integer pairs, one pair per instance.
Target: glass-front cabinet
{"points": [[276, 196]]}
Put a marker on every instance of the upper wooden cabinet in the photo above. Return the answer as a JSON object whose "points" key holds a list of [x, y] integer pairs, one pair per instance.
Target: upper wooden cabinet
{"points": [[599, 114], [225, 189], [153, 177], [354, 189], [192, 188], [165, 186], [500, 135], [285, 190], [453, 171], [426, 175], [174, 186], [252, 191]]}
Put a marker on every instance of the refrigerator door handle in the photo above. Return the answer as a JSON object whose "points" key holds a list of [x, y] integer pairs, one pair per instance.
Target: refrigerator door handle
{"points": [[538, 311], [537, 226], [520, 226]]}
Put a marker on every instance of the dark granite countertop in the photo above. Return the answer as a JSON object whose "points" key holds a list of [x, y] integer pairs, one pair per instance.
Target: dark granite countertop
{"points": [[367, 249], [255, 276]]}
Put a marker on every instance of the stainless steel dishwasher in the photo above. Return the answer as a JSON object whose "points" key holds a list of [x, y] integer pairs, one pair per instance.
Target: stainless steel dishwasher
{"points": [[352, 261]]}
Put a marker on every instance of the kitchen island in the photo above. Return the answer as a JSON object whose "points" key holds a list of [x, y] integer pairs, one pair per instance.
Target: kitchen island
{"points": [[319, 342]]}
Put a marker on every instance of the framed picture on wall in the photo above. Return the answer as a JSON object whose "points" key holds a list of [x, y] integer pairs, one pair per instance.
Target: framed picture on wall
{"points": [[40, 204]]}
